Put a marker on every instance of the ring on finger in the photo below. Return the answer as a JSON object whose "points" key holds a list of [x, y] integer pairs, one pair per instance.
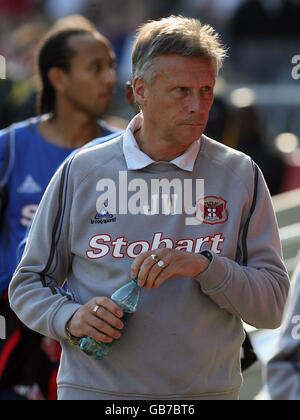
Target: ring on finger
{"points": [[154, 257], [95, 310], [161, 264]]}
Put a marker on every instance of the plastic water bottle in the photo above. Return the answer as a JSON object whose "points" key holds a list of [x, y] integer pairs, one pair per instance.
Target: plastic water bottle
{"points": [[127, 298]]}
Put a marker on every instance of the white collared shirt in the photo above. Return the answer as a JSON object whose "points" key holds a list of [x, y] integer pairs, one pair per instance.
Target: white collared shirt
{"points": [[137, 159]]}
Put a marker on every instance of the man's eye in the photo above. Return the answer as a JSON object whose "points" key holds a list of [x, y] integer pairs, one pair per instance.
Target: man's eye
{"points": [[181, 89], [206, 89], [96, 67]]}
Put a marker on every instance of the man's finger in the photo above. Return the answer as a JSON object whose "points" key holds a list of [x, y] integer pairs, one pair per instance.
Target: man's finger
{"points": [[137, 263], [108, 317], [107, 304]]}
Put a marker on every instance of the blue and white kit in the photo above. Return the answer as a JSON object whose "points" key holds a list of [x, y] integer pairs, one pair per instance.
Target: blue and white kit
{"points": [[32, 163]]}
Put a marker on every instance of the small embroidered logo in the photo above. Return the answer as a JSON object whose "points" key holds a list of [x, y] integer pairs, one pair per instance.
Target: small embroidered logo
{"points": [[103, 216], [29, 186], [212, 210]]}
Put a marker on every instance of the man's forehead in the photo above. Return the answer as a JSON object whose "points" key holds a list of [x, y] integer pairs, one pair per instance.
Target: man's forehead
{"points": [[174, 66], [180, 60], [89, 43]]}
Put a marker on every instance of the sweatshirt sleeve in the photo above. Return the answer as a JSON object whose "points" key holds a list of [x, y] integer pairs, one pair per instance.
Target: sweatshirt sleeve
{"points": [[36, 293], [255, 289], [283, 370]]}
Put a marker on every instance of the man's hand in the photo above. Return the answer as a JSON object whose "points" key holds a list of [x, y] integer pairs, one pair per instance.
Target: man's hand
{"points": [[102, 324], [155, 267]]}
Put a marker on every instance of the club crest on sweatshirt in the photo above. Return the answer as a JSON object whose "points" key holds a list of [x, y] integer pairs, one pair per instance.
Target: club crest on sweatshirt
{"points": [[212, 210]]}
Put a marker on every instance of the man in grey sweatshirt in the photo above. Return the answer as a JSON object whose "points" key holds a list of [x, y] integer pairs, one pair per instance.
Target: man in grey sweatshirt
{"points": [[283, 370], [188, 215]]}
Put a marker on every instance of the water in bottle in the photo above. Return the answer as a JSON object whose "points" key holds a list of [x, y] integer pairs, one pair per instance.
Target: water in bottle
{"points": [[127, 298]]}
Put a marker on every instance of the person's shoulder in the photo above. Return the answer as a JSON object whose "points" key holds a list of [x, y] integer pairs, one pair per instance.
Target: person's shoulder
{"points": [[18, 134], [21, 129], [226, 155], [220, 149], [229, 161], [102, 148], [96, 155], [101, 140]]}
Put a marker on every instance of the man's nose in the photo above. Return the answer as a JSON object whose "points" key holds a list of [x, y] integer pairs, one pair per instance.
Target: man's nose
{"points": [[110, 77], [196, 103]]}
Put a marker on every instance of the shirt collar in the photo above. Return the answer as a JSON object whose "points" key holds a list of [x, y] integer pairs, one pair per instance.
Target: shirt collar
{"points": [[137, 159]]}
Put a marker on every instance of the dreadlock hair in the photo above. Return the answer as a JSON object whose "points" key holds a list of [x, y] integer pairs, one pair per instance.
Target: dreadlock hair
{"points": [[55, 51]]}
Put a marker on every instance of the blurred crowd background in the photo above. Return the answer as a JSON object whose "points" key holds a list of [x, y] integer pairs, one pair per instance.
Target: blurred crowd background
{"points": [[258, 91]]}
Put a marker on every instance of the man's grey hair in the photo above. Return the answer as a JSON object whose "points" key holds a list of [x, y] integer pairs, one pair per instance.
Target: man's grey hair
{"points": [[174, 35]]}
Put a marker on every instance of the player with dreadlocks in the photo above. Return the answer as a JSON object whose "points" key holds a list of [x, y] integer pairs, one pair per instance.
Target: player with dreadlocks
{"points": [[76, 67]]}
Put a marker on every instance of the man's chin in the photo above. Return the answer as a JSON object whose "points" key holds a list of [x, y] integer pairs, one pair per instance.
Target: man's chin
{"points": [[100, 113], [100, 110], [193, 134]]}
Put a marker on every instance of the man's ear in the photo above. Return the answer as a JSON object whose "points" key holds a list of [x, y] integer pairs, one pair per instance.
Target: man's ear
{"points": [[58, 79], [139, 87], [130, 97]]}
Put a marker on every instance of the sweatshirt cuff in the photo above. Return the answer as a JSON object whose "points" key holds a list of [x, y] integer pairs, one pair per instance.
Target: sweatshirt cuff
{"points": [[213, 279], [61, 317]]}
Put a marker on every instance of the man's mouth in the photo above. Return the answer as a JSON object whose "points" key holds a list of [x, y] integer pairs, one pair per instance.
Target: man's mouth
{"points": [[107, 94], [190, 124]]}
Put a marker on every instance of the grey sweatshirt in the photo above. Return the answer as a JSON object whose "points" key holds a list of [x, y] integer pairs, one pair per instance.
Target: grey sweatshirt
{"points": [[97, 216], [283, 370]]}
